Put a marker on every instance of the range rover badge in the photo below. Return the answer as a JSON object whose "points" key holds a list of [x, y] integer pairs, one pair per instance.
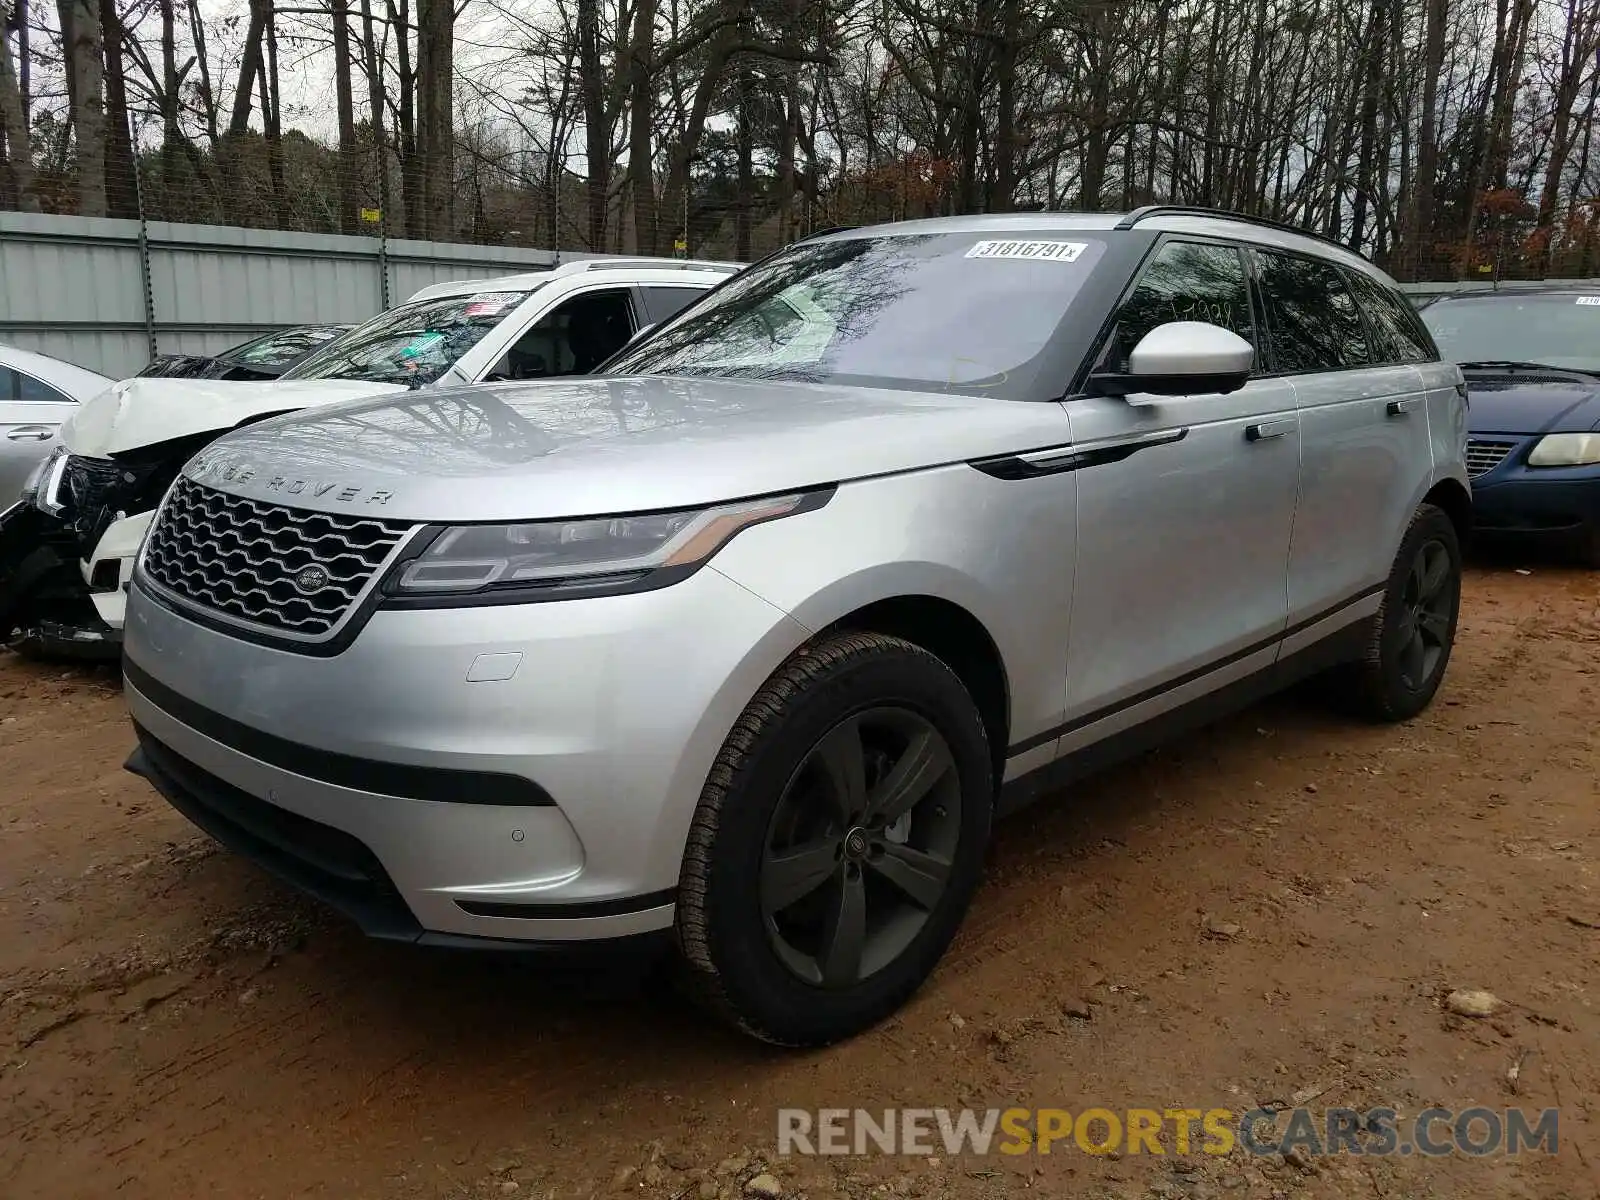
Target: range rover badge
{"points": [[311, 579]]}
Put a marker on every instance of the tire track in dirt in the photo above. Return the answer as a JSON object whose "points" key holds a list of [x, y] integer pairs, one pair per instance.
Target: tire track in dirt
{"points": [[349, 1056]]}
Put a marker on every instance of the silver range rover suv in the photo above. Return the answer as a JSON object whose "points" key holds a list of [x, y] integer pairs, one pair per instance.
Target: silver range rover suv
{"points": [[742, 644]]}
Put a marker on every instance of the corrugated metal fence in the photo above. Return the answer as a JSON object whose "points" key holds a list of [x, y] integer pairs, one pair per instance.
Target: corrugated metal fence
{"points": [[109, 294]]}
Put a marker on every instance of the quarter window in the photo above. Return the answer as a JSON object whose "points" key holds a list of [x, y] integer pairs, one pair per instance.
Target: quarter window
{"points": [[1313, 323], [665, 303], [1397, 330], [1185, 281]]}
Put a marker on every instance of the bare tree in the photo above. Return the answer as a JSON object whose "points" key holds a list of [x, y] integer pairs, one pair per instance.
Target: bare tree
{"points": [[81, 48]]}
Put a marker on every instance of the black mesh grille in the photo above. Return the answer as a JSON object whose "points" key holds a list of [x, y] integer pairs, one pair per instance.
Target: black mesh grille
{"points": [[277, 567]]}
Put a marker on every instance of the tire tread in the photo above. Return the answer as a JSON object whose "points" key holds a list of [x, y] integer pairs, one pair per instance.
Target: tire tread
{"points": [[758, 722]]}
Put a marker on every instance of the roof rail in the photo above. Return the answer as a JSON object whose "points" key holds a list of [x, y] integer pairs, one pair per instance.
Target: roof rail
{"points": [[662, 264], [817, 233], [1221, 214]]}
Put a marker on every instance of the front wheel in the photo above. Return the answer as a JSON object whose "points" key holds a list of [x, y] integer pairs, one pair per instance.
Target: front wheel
{"points": [[1413, 632], [837, 843]]}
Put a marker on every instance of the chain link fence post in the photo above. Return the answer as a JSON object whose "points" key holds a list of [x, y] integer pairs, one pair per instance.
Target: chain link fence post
{"points": [[146, 286]]}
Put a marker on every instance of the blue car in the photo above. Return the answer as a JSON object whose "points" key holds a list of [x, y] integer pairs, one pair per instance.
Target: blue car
{"points": [[1532, 365]]}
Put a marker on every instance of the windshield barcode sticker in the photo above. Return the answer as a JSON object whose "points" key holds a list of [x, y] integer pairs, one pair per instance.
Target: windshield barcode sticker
{"points": [[1589, 299], [1065, 252], [486, 303]]}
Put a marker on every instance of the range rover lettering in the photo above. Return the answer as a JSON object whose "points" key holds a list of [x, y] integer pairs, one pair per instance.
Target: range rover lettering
{"points": [[741, 645]]}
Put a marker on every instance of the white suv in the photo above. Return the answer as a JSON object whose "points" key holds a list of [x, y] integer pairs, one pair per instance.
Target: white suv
{"points": [[124, 448]]}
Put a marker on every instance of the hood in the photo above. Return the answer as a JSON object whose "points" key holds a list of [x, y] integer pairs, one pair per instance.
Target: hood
{"points": [[588, 445], [145, 411], [1507, 404]]}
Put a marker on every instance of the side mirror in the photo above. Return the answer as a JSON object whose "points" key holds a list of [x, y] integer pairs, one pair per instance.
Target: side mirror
{"points": [[1182, 358]]}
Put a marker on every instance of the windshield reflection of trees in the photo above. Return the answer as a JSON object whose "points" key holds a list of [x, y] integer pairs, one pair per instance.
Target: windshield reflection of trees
{"points": [[457, 431], [853, 280], [1186, 282], [387, 349], [1314, 322]]}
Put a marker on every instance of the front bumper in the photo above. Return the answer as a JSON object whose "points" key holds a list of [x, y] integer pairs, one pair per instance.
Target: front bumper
{"points": [[547, 801], [108, 571], [1555, 503]]}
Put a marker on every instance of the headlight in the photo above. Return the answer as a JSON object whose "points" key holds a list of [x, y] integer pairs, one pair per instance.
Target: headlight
{"points": [[1566, 450], [43, 486], [598, 551]]}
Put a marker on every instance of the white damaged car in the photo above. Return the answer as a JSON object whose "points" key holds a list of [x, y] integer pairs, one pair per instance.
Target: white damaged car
{"points": [[67, 551]]}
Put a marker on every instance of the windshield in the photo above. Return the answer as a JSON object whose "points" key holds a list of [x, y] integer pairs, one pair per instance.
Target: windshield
{"points": [[415, 343], [1555, 331], [278, 349], [946, 312]]}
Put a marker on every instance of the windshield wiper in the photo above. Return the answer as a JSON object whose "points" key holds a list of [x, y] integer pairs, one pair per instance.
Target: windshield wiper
{"points": [[1511, 364]]}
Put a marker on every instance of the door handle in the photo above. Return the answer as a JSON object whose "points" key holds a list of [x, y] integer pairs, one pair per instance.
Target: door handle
{"points": [[30, 433], [1399, 408], [1262, 430]]}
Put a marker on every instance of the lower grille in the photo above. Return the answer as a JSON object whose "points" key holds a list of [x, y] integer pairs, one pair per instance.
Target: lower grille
{"points": [[328, 863], [1485, 454], [276, 567]]}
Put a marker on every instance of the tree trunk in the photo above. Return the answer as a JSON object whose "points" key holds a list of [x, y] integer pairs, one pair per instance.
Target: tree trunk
{"points": [[641, 123], [249, 66], [786, 154], [1577, 48], [122, 189], [14, 131], [171, 132], [745, 200], [406, 135], [349, 219], [208, 95], [1005, 134], [1372, 76], [1421, 233], [272, 123], [436, 115], [1506, 76], [596, 129], [374, 68], [80, 35]]}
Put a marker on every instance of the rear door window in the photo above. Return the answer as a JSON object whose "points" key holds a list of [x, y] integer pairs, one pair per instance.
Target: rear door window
{"points": [[20, 386], [1313, 323], [1396, 328]]}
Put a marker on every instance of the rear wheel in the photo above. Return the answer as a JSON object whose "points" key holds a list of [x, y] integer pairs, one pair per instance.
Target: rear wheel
{"points": [[837, 842], [1413, 632]]}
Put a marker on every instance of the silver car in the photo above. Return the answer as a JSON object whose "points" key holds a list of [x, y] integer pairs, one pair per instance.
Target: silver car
{"points": [[37, 393], [743, 644]]}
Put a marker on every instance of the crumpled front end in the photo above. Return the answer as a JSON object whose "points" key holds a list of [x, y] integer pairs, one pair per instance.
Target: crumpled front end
{"points": [[45, 609], [63, 567]]}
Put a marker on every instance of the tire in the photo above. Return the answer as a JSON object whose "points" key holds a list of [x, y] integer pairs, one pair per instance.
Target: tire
{"points": [[1390, 682], [774, 808]]}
